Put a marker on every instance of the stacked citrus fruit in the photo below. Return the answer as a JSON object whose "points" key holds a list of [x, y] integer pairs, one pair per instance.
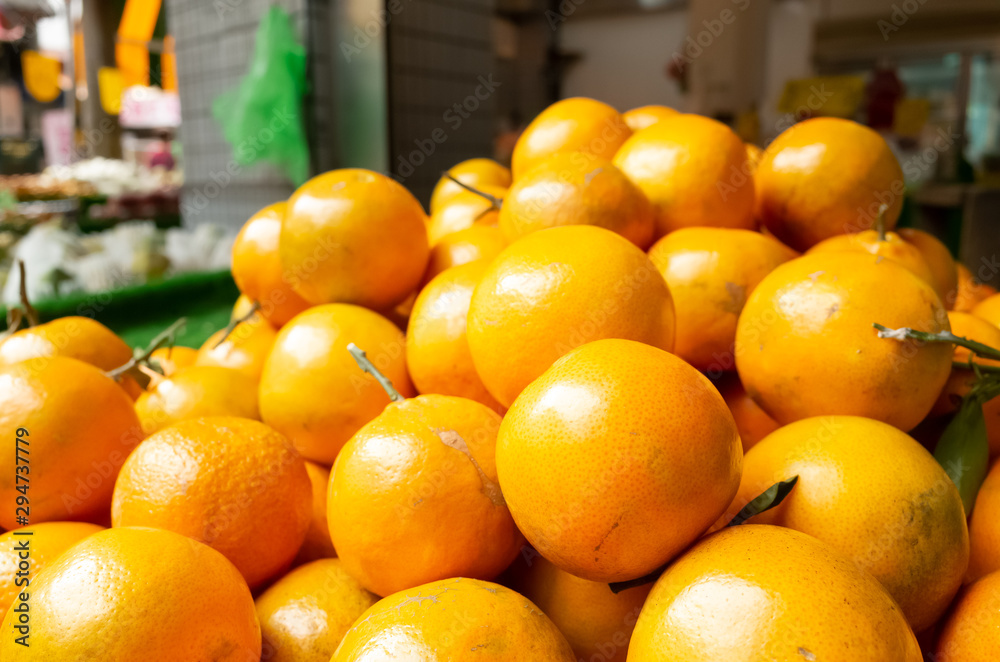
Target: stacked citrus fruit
{"points": [[648, 395]]}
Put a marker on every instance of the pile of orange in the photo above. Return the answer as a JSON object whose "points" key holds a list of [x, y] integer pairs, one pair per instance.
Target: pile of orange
{"points": [[624, 401]]}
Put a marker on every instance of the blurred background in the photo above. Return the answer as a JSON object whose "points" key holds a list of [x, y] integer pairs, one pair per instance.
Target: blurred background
{"points": [[137, 136]]}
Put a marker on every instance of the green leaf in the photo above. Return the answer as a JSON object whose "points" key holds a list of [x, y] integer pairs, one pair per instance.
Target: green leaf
{"points": [[766, 500], [963, 449]]}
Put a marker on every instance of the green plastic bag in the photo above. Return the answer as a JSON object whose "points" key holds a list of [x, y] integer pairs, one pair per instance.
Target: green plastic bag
{"points": [[262, 117]]}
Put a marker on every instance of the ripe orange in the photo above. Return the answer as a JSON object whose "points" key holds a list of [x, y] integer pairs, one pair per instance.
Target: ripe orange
{"points": [[231, 483], [972, 631], [939, 259], [138, 594], [80, 338], [989, 309], [556, 289], [646, 116], [42, 543], [437, 350], [172, 359], [710, 273], [824, 177], [576, 189], [414, 496], [353, 236], [577, 124], [477, 242], [984, 528], [472, 172], [317, 544], [597, 465], [78, 428], [805, 345], [304, 615], [694, 171], [454, 619], [243, 350], [241, 308], [257, 266], [969, 291], [891, 247], [311, 390], [751, 593], [597, 622], [753, 422], [961, 381], [464, 210], [195, 392], [754, 155], [875, 495]]}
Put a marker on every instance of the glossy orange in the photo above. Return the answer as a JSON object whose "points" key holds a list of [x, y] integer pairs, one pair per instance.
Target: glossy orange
{"points": [[969, 291], [891, 246], [244, 349], [972, 631], [824, 177], [195, 392], [752, 422], [231, 483], [471, 172], [353, 236], [989, 309], [646, 116], [597, 465], [464, 210], [79, 426], [477, 242], [942, 265], [694, 171], [556, 289], [257, 267]]}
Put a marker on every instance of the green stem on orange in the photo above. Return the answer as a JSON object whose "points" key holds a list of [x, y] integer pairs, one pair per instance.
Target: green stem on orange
{"points": [[365, 364], [165, 337], [880, 222], [906, 333], [494, 201], [30, 314], [233, 323]]}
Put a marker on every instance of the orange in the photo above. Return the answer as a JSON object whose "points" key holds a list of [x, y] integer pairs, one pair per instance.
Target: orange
{"points": [[80, 338], [311, 390], [42, 543], [414, 496], [454, 620], [576, 189], [77, 428], [694, 171], [891, 247], [989, 309], [646, 116], [556, 289], [754, 155], [304, 615], [824, 177], [710, 273], [984, 528], [194, 392], [597, 622], [463, 210], [969, 291], [138, 594], [961, 381], [598, 466], [875, 495], [241, 308], [942, 264], [437, 350], [353, 236], [477, 242], [243, 350], [972, 631], [751, 593], [577, 124], [231, 483], [805, 344], [471, 172], [257, 266], [753, 422], [317, 544], [172, 359]]}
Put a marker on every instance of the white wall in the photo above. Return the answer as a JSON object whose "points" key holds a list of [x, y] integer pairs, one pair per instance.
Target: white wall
{"points": [[624, 57]]}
